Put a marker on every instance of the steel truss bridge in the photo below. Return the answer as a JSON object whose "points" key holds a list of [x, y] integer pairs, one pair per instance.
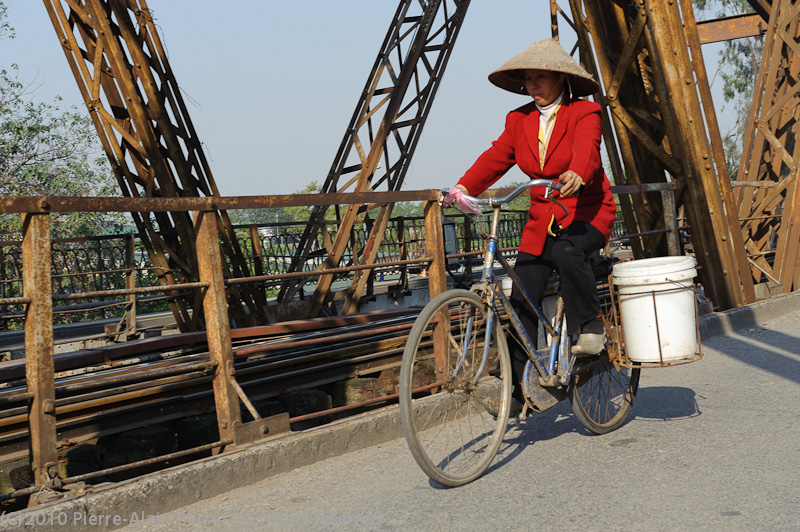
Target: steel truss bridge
{"points": [[655, 96], [660, 129]]}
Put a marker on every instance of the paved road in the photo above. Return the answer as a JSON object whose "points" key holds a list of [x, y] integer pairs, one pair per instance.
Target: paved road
{"points": [[713, 445]]}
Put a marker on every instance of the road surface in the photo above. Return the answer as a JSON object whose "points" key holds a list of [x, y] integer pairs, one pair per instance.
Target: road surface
{"points": [[713, 445]]}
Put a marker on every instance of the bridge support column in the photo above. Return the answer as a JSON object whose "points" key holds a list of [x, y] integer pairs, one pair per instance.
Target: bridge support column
{"points": [[215, 309], [39, 372]]}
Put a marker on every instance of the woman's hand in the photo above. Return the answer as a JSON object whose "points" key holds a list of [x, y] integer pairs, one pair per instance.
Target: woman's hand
{"points": [[456, 196], [572, 183]]}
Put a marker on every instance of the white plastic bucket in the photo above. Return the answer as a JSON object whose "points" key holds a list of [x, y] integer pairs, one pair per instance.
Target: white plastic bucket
{"points": [[657, 303]]}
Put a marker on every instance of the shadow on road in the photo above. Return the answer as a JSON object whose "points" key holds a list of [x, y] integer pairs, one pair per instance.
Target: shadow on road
{"points": [[750, 343], [765, 349], [664, 403], [520, 434], [538, 427], [768, 349], [660, 403]]}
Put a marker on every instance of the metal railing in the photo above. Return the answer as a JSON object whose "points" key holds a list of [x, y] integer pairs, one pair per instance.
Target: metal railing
{"points": [[411, 243]]}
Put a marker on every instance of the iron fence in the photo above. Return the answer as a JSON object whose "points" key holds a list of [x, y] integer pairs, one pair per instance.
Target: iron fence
{"points": [[92, 264]]}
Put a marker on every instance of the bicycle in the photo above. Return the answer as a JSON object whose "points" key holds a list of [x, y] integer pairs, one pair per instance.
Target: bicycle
{"points": [[459, 343]]}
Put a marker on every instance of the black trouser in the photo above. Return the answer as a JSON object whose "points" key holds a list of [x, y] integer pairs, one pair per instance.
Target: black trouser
{"points": [[568, 254]]}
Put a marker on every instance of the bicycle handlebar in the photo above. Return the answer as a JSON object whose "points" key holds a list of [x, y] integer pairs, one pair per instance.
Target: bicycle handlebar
{"points": [[492, 202]]}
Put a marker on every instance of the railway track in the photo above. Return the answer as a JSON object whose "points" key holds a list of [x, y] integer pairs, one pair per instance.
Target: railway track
{"points": [[164, 381]]}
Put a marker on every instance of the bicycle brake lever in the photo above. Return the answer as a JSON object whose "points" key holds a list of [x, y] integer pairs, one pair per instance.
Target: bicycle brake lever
{"points": [[559, 204]]}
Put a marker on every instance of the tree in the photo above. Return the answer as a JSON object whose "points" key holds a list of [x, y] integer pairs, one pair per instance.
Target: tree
{"points": [[280, 214], [46, 150], [408, 209]]}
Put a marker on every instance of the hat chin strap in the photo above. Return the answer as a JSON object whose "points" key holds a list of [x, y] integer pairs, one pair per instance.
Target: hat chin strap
{"points": [[555, 87]]}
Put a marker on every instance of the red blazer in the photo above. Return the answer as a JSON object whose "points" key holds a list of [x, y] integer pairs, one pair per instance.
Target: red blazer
{"points": [[574, 145]]}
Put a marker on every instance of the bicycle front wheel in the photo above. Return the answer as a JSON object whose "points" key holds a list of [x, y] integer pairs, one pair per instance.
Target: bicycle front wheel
{"points": [[454, 405], [602, 396]]}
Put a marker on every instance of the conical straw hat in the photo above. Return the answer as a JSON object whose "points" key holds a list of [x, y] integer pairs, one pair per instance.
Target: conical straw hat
{"points": [[544, 55]]}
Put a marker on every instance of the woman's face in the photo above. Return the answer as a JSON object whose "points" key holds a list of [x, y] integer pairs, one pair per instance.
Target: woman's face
{"points": [[544, 86]]}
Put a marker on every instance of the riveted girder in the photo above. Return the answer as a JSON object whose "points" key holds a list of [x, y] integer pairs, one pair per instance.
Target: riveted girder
{"points": [[125, 79], [383, 133], [767, 193], [655, 91]]}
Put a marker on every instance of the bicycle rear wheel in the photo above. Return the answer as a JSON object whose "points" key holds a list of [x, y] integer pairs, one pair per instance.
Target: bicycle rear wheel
{"points": [[456, 433], [602, 396]]}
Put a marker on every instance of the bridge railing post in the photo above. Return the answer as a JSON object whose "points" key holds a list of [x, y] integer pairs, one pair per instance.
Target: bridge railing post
{"points": [[215, 309], [437, 283], [39, 368], [130, 283]]}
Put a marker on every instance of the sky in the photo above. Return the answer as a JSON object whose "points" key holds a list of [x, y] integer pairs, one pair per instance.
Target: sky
{"points": [[271, 85]]}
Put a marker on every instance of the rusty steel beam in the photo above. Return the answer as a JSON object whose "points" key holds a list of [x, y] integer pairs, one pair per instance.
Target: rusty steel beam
{"points": [[384, 130], [149, 461], [654, 80], [587, 60], [437, 281], [762, 7], [119, 62], [729, 28], [130, 283], [720, 180], [434, 247], [722, 274], [308, 356], [39, 372], [48, 204], [218, 330], [770, 205], [15, 369], [624, 66], [554, 19]]}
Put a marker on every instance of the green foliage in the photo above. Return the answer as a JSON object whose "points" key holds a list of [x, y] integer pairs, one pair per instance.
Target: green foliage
{"points": [[522, 203], [409, 209], [5, 29], [46, 150], [300, 214], [279, 215]]}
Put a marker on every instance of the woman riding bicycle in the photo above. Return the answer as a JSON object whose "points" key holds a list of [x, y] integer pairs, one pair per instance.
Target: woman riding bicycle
{"points": [[557, 137]]}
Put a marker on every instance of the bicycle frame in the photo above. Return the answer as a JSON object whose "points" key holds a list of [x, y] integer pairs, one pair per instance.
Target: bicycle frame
{"points": [[456, 433], [556, 352], [559, 360]]}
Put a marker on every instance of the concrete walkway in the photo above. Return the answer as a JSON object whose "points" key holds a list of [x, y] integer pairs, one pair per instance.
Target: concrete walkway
{"points": [[713, 445]]}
